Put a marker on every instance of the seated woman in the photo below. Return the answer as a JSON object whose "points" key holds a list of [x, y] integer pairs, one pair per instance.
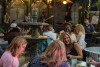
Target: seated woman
{"points": [[53, 56], [80, 35], [10, 57], [72, 49], [68, 30]]}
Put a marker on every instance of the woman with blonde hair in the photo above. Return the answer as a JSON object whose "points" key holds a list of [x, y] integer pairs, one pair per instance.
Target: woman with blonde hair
{"points": [[72, 49], [72, 35], [10, 57], [53, 56], [80, 35]]}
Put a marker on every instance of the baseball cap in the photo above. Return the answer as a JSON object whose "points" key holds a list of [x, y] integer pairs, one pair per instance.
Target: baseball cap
{"points": [[13, 25]]}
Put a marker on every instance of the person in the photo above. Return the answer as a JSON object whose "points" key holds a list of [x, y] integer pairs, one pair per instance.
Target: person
{"points": [[10, 57], [13, 27], [53, 56], [89, 28], [67, 18], [80, 35], [49, 31], [43, 17], [72, 35], [68, 30], [13, 32], [41, 29], [73, 50], [95, 19], [96, 64]]}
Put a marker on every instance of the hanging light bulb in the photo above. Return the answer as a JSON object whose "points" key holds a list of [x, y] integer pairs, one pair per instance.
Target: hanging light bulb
{"points": [[49, 1], [64, 2]]}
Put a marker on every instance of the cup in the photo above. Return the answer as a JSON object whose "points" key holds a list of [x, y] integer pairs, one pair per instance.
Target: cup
{"points": [[73, 62], [87, 61]]}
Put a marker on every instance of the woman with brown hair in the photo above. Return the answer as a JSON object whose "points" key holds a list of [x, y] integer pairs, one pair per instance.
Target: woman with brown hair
{"points": [[10, 57], [72, 49], [53, 56]]}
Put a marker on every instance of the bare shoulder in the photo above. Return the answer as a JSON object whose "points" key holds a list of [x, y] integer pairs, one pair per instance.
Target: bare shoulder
{"points": [[76, 44], [80, 33]]}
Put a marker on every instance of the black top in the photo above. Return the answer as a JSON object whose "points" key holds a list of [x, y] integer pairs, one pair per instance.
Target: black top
{"points": [[73, 51]]}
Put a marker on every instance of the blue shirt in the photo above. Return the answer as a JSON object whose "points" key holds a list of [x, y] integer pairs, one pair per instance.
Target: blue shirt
{"points": [[36, 62], [89, 29]]}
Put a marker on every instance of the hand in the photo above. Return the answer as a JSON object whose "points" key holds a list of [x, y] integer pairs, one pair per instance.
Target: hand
{"points": [[92, 62], [62, 31], [70, 56]]}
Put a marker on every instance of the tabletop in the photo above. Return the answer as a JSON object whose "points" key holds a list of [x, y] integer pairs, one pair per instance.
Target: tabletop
{"points": [[94, 53], [93, 49]]}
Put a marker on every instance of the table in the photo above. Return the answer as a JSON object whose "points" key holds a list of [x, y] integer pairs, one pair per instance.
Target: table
{"points": [[94, 52], [83, 64], [92, 35]]}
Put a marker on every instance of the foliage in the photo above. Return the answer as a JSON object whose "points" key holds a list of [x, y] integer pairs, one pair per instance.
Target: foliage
{"points": [[98, 4]]}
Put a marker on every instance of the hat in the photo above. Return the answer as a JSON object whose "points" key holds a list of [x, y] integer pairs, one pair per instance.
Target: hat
{"points": [[13, 25]]}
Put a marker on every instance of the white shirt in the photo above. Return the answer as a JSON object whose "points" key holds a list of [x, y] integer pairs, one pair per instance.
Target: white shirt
{"points": [[73, 37], [51, 34], [82, 42]]}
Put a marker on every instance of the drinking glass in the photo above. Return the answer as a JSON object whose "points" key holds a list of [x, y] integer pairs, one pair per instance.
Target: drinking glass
{"points": [[87, 61], [73, 62]]}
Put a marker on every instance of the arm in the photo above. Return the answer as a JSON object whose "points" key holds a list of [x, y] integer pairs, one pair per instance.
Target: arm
{"points": [[82, 42], [79, 51], [97, 64], [1, 64], [92, 28]]}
